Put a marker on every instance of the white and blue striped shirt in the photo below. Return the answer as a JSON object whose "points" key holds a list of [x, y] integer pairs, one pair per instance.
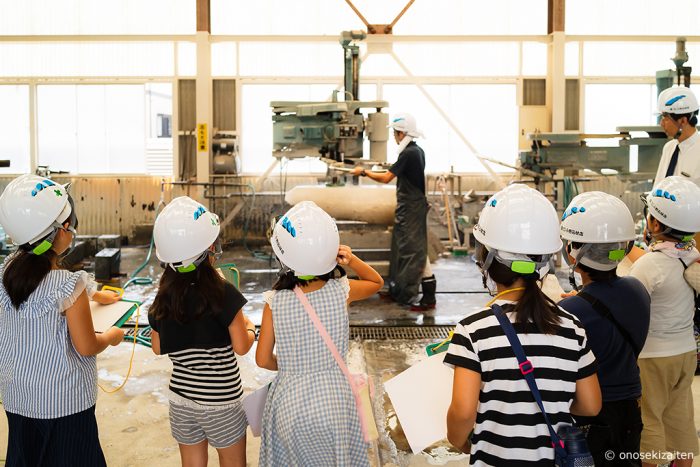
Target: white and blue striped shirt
{"points": [[41, 373]]}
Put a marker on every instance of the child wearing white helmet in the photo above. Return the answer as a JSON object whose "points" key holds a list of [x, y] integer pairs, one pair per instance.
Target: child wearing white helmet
{"points": [[517, 235], [668, 360], [48, 374], [598, 230], [198, 322], [678, 107], [310, 417]]}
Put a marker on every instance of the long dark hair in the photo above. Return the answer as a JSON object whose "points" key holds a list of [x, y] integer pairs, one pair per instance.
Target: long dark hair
{"points": [[533, 306], [24, 272], [204, 286], [287, 280]]}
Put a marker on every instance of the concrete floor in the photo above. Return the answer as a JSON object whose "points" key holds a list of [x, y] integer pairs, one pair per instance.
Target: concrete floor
{"points": [[134, 427]]}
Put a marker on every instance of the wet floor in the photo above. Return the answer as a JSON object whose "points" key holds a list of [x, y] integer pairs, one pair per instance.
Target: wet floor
{"points": [[133, 422]]}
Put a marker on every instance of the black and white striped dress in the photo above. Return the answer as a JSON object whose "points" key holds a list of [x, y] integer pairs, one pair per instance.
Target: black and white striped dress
{"points": [[510, 429]]}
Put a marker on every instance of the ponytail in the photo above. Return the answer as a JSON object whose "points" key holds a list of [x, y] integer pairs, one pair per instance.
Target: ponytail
{"points": [[24, 272], [534, 306]]}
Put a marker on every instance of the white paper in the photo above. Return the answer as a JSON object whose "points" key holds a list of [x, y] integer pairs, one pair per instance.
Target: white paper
{"points": [[105, 316], [253, 406], [421, 396]]}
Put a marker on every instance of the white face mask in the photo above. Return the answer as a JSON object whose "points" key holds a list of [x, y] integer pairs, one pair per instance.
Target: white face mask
{"points": [[490, 284], [404, 142]]}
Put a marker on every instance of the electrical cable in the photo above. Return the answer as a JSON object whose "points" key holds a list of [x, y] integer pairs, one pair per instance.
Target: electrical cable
{"points": [[131, 359]]}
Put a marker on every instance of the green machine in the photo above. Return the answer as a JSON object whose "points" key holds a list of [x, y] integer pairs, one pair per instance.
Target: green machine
{"points": [[552, 151], [333, 130]]}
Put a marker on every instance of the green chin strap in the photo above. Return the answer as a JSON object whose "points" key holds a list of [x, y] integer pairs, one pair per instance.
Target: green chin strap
{"points": [[189, 268], [42, 247], [523, 267], [306, 278]]}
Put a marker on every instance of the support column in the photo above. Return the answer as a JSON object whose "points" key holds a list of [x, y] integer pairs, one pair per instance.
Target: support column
{"points": [[556, 80], [204, 92]]}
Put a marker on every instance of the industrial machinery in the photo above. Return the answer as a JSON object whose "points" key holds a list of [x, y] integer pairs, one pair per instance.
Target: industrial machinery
{"points": [[333, 130], [552, 151], [224, 145]]}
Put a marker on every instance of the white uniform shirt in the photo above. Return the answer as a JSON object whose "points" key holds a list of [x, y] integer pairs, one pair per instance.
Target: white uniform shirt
{"points": [[672, 305], [688, 159]]}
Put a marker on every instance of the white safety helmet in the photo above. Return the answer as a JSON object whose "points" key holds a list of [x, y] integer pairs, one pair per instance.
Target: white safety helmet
{"points": [[183, 233], [675, 202], [603, 224], [516, 223], [405, 123], [677, 100], [306, 240], [33, 209]]}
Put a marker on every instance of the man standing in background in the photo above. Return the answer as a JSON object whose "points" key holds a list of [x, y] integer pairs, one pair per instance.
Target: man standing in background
{"points": [[409, 243]]}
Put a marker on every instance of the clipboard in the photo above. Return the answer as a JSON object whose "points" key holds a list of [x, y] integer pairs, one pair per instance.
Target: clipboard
{"points": [[116, 314]]}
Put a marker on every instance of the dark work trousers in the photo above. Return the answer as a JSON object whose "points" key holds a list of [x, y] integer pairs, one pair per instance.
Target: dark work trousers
{"points": [[617, 428], [55, 442], [409, 244]]}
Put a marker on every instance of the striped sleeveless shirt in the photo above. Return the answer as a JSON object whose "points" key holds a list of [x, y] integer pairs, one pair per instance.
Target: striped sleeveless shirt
{"points": [[41, 374]]}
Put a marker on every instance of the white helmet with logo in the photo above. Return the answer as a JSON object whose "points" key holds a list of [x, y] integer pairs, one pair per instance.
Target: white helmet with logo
{"points": [[677, 100], [675, 202], [306, 240], [33, 209], [516, 223], [603, 224], [183, 233], [405, 123]]}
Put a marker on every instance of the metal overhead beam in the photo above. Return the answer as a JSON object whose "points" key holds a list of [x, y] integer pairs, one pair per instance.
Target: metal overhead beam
{"points": [[380, 28], [203, 16]]}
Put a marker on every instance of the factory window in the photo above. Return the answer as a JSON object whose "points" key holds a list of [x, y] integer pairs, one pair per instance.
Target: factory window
{"points": [[86, 59], [79, 17], [14, 128], [223, 59], [103, 128], [291, 59], [534, 59], [571, 58], [187, 58], [485, 115], [459, 59], [329, 17], [627, 17], [275, 17], [609, 106], [633, 58]]}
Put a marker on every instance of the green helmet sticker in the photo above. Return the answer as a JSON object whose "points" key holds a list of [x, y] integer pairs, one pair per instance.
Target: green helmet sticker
{"points": [[523, 267], [189, 268], [306, 278], [616, 255], [42, 247]]}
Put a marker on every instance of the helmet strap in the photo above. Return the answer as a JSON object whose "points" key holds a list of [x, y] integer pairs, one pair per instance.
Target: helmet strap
{"points": [[577, 259], [179, 267]]}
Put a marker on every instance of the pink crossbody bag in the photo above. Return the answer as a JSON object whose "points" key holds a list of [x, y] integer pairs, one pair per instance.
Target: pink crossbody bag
{"points": [[358, 382]]}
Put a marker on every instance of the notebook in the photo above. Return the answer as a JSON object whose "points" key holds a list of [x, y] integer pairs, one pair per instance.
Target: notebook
{"points": [[106, 316]]}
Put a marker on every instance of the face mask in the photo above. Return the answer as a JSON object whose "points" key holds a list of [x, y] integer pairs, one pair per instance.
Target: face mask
{"points": [[404, 142], [489, 284]]}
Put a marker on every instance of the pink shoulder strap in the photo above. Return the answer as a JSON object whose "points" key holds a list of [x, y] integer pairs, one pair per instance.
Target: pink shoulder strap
{"points": [[334, 350]]}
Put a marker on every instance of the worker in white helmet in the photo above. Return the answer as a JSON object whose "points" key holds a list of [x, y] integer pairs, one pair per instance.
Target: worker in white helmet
{"points": [[409, 244], [678, 108], [668, 359]]}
